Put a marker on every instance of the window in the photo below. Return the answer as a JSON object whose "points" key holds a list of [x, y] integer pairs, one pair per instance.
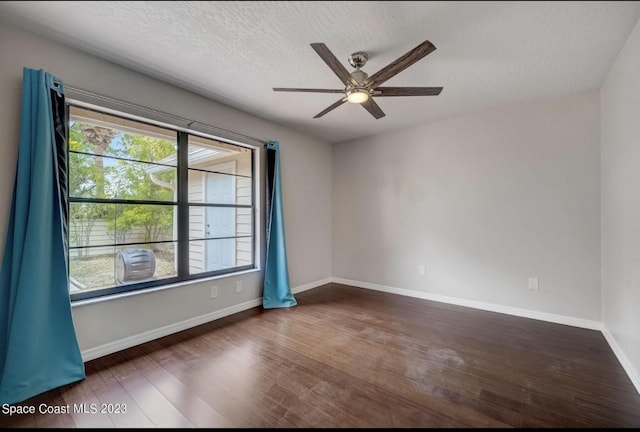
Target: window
{"points": [[151, 205]]}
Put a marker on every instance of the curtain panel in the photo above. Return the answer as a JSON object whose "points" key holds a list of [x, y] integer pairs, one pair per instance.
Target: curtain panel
{"points": [[38, 346], [277, 289]]}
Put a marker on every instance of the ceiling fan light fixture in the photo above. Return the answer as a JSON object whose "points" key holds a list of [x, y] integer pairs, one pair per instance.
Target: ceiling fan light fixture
{"points": [[362, 89], [358, 96]]}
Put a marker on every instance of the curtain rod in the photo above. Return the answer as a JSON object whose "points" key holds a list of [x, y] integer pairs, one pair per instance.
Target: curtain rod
{"points": [[189, 122]]}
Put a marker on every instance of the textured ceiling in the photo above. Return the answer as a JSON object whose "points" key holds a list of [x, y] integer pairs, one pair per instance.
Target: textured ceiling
{"points": [[488, 53]]}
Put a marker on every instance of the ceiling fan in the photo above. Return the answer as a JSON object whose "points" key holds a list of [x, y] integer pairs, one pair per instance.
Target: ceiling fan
{"points": [[362, 88]]}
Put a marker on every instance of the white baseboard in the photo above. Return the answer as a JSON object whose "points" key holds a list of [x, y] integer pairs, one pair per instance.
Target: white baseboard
{"points": [[631, 371], [311, 285], [509, 310], [128, 342]]}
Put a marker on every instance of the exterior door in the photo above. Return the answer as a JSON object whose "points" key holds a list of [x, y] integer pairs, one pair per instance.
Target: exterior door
{"points": [[220, 221]]}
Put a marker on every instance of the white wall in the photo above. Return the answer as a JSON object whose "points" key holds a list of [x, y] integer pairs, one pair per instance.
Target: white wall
{"points": [[620, 128], [306, 177], [484, 201]]}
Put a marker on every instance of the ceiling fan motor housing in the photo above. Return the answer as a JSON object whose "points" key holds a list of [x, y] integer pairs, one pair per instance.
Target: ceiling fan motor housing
{"points": [[358, 59], [360, 88]]}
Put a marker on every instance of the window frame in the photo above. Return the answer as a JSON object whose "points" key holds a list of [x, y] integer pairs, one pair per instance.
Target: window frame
{"points": [[182, 203]]}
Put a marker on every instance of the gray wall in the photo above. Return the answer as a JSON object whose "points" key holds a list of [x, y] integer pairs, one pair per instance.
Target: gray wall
{"points": [[306, 177], [483, 201], [620, 114]]}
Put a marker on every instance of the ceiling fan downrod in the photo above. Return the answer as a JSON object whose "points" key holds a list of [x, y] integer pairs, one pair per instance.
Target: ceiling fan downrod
{"points": [[360, 87]]}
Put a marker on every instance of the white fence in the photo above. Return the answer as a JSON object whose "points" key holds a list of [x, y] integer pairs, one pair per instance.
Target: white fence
{"points": [[99, 233]]}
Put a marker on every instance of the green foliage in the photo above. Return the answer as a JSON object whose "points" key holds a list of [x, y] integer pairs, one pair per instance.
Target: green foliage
{"points": [[82, 175], [97, 177], [134, 182], [83, 181], [100, 139], [82, 218]]}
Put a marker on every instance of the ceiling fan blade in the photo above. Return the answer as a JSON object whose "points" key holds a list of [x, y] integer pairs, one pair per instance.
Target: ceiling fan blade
{"points": [[373, 108], [400, 64], [408, 91], [280, 89], [334, 64], [331, 108]]}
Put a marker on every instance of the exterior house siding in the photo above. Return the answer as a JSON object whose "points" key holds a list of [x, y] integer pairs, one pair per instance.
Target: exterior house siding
{"points": [[243, 216]]}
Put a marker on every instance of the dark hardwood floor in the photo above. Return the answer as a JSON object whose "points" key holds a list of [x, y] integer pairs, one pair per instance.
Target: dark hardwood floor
{"points": [[349, 357]]}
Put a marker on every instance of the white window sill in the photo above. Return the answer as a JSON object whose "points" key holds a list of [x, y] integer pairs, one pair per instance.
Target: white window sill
{"points": [[80, 303]]}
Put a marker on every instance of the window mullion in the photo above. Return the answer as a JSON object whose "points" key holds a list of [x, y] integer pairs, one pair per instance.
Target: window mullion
{"points": [[183, 205], [253, 207]]}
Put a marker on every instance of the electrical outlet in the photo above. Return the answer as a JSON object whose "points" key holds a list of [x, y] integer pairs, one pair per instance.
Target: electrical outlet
{"points": [[422, 270], [214, 291], [238, 286], [533, 283]]}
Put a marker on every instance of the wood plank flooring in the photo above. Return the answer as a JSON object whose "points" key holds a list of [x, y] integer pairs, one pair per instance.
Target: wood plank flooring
{"points": [[349, 357]]}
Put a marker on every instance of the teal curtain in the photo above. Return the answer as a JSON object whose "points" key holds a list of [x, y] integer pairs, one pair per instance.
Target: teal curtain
{"points": [[38, 346], [277, 289]]}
